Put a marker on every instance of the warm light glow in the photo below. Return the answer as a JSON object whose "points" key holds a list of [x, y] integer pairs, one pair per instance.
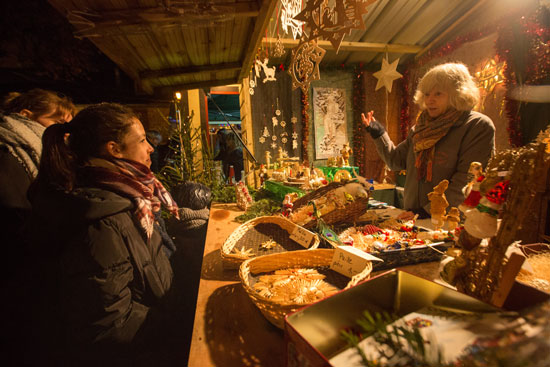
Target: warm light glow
{"points": [[490, 75], [178, 96]]}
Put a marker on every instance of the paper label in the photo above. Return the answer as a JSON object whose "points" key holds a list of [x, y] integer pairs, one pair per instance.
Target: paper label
{"points": [[349, 261], [302, 236]]}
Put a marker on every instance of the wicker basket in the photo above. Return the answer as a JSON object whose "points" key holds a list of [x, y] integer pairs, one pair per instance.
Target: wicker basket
{"points": [[347, 214], [319, 259], [250, 236]]}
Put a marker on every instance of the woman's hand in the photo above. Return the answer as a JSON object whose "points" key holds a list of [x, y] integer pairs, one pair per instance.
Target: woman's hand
{"points": [[366, 120]]}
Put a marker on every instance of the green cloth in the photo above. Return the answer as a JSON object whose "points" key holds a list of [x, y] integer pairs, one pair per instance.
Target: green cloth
{"points": [[278, 190], [330, 171]]}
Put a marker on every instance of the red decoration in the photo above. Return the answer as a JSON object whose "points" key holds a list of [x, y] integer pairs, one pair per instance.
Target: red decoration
{"points": [[305, 128], [498, 193], [358, 100]]}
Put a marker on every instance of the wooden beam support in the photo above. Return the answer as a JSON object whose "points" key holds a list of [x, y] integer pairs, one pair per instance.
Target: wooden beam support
{"points": [[474, 9], [262, 21], [356, 46], [168, 91], [153, 74]]}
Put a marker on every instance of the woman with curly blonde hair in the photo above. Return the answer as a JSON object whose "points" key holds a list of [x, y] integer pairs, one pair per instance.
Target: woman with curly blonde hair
{"points": [[446, 138]]}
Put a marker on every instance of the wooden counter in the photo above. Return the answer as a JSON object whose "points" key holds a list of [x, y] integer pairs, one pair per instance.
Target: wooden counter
{"points": [[229, 330]]}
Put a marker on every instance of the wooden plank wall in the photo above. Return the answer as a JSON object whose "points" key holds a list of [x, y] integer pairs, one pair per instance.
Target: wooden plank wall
{"points": [[264, 104]]}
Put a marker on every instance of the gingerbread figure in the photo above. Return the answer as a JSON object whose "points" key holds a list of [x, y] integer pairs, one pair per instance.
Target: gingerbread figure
{"points": [[439, 204], [453, 218], [346, 153]]}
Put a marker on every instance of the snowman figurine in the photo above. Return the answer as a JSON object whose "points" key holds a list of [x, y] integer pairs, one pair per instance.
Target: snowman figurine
{"points": [[482, 221]]}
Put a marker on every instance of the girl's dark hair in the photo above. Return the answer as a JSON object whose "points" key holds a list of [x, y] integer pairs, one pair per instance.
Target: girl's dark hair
{"points": [[88, 132], [39, 101]]}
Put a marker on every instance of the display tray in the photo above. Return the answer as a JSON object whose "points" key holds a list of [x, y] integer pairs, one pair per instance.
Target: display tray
{"points": [[396, 257], [313, 333]]}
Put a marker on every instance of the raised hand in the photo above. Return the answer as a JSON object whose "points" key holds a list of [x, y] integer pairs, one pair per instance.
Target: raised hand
{"points": [[366, 120]]}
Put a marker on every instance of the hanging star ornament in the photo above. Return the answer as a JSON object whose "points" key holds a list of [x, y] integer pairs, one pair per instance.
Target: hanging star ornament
{"points": [[387, 75]]}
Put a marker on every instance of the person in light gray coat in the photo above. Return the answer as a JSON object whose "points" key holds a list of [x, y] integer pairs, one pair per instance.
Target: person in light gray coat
{"points": [[447, 137]]}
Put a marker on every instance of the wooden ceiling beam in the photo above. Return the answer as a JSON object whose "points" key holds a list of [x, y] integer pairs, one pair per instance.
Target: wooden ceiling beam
{"points": [[181, 71], [92, 22], [356, 46], [169, 90]]}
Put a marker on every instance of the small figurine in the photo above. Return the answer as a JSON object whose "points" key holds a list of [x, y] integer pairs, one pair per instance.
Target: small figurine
{"points": [[453, 218], [439, 204], [243, 198], [267, 159], [263, 174], [481, 222], [472, 189], [346, 153]]}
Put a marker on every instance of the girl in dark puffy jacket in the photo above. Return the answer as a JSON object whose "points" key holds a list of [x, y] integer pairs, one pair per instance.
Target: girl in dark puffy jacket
{"points": [[109, 281]]}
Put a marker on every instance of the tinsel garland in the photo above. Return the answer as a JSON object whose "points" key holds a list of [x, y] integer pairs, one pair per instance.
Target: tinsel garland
{"points": [[305, 128], [404, 117], [358, 101], [534, 37]]}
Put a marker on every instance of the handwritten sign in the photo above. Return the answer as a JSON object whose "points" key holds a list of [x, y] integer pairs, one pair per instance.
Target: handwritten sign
{"points": [[302, 236], [349, 261]]}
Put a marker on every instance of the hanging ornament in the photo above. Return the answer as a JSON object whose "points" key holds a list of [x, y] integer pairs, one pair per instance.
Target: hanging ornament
{"points": [[295, 135], [274, 121], [278, 111], [294, 119], [304, 66], [290, 9], [284, 140], [387, 74], [283, 123], [490, 75], [295, 144], [252, 83], [274, 145], [279, 50], [251, 91], [274, 137], [269, 72], [333, 22], [262, 139], [266, 132]]}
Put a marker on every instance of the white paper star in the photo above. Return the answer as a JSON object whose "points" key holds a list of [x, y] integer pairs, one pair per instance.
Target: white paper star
{"points": [[262, 139], [295, 135], [273, 145], [387, 75]]}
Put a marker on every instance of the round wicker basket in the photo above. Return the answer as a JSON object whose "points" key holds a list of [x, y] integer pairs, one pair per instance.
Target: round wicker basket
{"points": [[249, 236], [347, 214], [275, 312]]}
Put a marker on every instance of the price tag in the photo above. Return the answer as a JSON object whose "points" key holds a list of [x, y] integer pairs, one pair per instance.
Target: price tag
{"points": [[302, 236], [349, 261]]}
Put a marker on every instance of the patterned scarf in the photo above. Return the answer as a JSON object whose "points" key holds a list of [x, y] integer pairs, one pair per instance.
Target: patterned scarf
{"points": [[134, 181], [22, 137], [427, 133]]}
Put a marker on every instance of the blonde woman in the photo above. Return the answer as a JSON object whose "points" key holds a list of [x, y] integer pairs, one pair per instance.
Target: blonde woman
{"points": [[447, 137]]}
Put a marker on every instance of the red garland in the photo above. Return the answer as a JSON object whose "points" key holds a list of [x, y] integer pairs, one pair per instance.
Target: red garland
{"points": [[535, 39], [358, 100], [305, 128], [404, 117]]}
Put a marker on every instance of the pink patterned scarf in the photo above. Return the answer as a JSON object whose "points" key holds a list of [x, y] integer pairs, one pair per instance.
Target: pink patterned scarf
{"points": [[134, 181]]}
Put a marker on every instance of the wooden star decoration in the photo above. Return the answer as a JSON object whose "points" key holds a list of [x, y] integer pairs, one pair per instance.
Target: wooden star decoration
{"points": [[387, 75], [333, 23]]}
